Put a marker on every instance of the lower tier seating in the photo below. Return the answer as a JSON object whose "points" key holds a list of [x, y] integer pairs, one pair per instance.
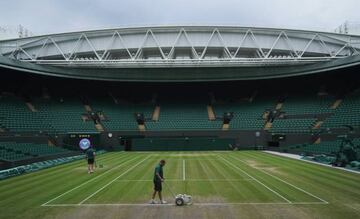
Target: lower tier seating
{"points": [[324, 147], [13, 151]]}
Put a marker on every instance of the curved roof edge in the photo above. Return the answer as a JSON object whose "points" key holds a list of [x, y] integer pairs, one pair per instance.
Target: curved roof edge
{"points": [[174, 26], [179, 74]]}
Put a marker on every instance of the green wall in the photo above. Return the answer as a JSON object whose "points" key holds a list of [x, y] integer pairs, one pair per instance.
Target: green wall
{"points": [[181, 144]]}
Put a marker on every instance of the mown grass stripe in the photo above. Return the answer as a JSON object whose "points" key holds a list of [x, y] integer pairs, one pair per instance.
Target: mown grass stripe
{"points": [[276, 193], [88, 181], [298, 188], [39, 174], [321, 169], [30, 182], [317, 179], [223, 171], [312, 171], [231, 198], [106, 185]]}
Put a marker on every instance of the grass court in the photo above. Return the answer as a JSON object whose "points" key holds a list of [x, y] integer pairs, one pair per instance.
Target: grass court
{"points": [[246, 184]]}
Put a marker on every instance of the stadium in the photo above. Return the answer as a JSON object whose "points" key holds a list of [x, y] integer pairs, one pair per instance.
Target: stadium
{"points": [[252, 123]]}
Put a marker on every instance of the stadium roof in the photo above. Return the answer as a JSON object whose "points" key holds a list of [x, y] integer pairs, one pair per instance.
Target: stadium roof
{"points": [[181, 53]]}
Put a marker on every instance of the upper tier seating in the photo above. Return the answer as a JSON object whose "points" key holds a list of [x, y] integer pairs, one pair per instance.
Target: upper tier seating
{"points": [[120, 116], [183, 117], [302, 105], [310, 104], [62, 115], [347, 113]]}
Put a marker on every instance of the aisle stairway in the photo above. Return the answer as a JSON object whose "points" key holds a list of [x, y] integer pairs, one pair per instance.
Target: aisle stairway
{"points": [[211, 113], [156, 113]]}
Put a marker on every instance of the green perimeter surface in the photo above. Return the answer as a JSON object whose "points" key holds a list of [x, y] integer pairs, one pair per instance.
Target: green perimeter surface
{"points": [[244, 184]]}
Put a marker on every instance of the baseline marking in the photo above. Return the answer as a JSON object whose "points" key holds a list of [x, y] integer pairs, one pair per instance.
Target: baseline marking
{"points": [[184, 170], [300, 189], [179, 180], [276, 193], [196, 204], [86, 182], [97, 191]]}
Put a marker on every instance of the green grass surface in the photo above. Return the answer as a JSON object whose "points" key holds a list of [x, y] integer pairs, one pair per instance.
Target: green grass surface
{"points": [[244, 184]]}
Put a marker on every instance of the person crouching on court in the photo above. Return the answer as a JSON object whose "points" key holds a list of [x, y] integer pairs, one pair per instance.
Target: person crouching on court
{"points": [[90, 157], [158, 180]]}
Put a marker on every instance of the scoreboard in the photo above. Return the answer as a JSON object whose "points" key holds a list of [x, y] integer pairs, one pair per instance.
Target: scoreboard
{"points": [[73, 140]]}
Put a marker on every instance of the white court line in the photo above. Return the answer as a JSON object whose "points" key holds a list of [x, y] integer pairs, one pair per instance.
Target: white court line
{"points": [[107, 171], [184, 170], [300, 189], [260, 203], [276, 193], [196, 204], [97, 191], [352, 207], [286, 155], [179, 180]]}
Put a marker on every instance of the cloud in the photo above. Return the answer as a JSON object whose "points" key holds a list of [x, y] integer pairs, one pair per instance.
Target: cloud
{"points": [[52, 16]]}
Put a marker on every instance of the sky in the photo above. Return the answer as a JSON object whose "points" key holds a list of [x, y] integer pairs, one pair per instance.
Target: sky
{"points": [[56, 16]]}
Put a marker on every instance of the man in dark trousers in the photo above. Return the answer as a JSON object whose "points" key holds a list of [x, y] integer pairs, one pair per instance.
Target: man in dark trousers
{"points": [[90, 156], [158, 179]]}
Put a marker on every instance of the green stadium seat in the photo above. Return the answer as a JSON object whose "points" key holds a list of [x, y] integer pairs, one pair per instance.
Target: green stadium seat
{"points": [[14, 151]]}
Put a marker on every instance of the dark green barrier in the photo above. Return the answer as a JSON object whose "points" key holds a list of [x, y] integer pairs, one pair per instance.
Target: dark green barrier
{"points": [[181, 144]]}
